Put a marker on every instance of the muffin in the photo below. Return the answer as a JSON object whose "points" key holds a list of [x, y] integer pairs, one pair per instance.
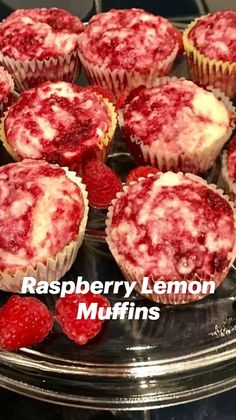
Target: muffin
{"points": [[40, 44], [210, 45], [176, 125], [43, 217], [122, 49], [6, 89], [172, 227], [61, 123]]}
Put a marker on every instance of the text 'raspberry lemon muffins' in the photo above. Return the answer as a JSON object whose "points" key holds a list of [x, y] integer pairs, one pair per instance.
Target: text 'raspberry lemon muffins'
{"points": [[176, 125], [6, 89], [40, 44], [122, 49], [43, 215], [210, 45], [61, 123], [172, 227]]}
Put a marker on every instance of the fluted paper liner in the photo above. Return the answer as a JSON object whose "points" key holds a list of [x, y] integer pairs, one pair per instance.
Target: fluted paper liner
{"points": [[55, 267], [103, 148], [28, 73], [137, 275], [121, 81], [205, 71], [197, 161], [106, 141]]}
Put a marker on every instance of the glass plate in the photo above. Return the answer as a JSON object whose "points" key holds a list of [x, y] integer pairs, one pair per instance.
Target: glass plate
{"points": [[189, 353]]}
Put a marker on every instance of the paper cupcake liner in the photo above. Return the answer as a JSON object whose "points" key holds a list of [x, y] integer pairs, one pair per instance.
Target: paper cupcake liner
{"points": [[108, 139], [55, 267], [137, 274], [121, 81], [197, 161], [101, 151], [29, 73], [205, 71]]}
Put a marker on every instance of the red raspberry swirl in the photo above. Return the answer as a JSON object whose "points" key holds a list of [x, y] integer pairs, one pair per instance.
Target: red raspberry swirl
{"points": [[58, 122], [215, 36], [39, 33], [40, 212], [132, 39], [177, 115], [172, 227]]}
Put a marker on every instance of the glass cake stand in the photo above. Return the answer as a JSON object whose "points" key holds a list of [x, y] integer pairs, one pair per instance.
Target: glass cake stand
{"points": [[188, 354]]}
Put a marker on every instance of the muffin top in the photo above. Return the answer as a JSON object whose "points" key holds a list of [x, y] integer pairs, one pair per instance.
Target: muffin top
{"points": [[172, 226], [6, 84], [215, 35], [56, 121], [39, 33], [177, 115], [131, 39], [40, 212], [231, 159]]}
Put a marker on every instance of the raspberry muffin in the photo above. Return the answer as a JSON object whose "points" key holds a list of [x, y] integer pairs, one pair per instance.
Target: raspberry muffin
{"points": [[6, 89], [122, 49], [210, 45], [172, 227], [176, 125], [40, 44], [43, 212], [61, 123]]}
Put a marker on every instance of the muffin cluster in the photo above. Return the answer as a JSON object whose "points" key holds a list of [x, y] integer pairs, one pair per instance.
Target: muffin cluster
{"points": [[167, 224]]}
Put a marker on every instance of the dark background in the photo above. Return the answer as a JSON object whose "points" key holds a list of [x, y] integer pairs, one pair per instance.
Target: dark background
{"points": [[222, 407], [16, 407]]}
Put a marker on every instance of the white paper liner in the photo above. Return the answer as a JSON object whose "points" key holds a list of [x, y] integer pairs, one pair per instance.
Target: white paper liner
{"points": [[137, 275], [122, 81], [108, 138], [197, 161], [206, 71], [103, 148], [55, 267], [28, 73]]}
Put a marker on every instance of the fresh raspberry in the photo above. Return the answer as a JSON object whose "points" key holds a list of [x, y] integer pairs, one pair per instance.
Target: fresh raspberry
{"points": [[179, 38], [124, 98], [79, 330], [101, 183], [24, 321], [140, 172], [120, 103], [105, 93]]}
